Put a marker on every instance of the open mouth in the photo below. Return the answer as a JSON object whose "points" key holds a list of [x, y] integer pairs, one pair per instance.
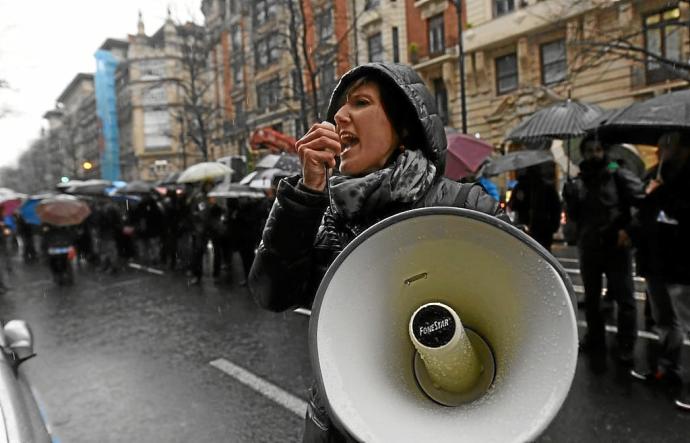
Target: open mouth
{"points": [[347, 140]]}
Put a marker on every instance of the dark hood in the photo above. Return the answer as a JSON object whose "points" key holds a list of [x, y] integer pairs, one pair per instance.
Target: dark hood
{"points": [[416, 96]]}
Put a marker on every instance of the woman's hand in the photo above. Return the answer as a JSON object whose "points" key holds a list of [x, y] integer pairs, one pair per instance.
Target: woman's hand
{"points": [[320, 146]]}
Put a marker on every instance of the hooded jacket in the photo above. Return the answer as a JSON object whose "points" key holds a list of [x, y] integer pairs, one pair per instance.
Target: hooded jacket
{"points": [[300, 241]]}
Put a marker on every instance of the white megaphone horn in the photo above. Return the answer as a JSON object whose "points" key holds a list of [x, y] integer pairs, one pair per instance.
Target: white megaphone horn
{"points": [[444, 324]]}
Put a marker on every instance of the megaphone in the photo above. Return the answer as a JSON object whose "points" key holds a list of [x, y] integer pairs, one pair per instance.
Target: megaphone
{"points": [[444, 324]]}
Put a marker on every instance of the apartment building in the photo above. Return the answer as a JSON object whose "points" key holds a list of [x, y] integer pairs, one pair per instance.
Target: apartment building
{"points": [[524, 55], [154, 104], [73, 135]]}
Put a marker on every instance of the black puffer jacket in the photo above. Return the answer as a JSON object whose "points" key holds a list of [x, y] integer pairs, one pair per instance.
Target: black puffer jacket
{"points": [[301, 239], [299, 243]]}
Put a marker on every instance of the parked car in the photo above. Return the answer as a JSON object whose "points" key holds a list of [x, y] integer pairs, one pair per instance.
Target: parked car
{"points": [[22, 419]]}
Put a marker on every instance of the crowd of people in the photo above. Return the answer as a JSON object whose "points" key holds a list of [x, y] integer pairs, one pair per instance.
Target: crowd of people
{"points": [[168, 231]]}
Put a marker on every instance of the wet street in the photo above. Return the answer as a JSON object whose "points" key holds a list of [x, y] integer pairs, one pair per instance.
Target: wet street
{"points": [[141, 357]]}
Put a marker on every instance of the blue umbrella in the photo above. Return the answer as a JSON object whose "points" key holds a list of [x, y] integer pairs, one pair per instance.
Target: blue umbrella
{"points": [[28, 211]]}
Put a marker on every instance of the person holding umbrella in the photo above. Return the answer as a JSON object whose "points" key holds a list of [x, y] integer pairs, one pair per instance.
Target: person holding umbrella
{"points": [[664, 221], [383, 127], [601, 201]]}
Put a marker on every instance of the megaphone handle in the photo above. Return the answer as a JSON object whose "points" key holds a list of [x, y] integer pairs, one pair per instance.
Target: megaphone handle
{"points": [[328, 189]]}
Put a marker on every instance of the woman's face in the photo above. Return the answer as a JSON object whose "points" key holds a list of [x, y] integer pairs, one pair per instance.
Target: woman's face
{"points": [[366, 135]]}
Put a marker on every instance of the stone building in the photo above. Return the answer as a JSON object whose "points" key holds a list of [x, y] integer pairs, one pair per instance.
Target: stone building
{"points": [[153, 110], [73, 133], [524, 55]]}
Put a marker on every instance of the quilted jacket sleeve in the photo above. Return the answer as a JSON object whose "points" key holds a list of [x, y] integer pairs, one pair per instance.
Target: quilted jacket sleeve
{"points": [[280, 277]]}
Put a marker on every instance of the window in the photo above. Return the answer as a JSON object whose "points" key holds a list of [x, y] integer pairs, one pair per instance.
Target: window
{"points": [[554, 65], [396, 45], [327, 77], [267, 50], [441, 96], [371, 4], [151, 69], [268, 93], [506, 73], [502, 7], [663, 37], [436, 34], [154, 95], [236, 37], [324, 25], [375, 47], [264, 10], [237, 73], [156, 129]]}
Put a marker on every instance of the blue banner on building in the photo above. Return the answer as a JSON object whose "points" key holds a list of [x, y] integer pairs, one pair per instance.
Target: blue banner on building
{"points": [[106, 108]]}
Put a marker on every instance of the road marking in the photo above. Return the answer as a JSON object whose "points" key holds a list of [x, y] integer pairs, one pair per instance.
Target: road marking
{"points": [[639, 296], [568, 260], [577, 271], [643, 334], [293, 404], [146, 268], [131, 281]]}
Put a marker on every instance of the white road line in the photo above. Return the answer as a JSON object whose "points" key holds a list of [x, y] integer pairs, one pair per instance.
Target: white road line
{"points": [[146, 268], [639, 296], [294, 404], [643, 334], [577, 271], [568, 260]]}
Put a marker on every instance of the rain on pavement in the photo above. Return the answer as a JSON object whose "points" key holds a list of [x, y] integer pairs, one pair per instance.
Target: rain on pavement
{"points": [[141, 357]]}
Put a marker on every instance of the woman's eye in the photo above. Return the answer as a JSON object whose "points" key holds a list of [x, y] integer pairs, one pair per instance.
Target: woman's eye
{"points": [[361, 102]]}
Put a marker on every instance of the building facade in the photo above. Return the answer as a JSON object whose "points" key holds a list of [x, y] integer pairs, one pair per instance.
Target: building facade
{"points": [[524, 55]]}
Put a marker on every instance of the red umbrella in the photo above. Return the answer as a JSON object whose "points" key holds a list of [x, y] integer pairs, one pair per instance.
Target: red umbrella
{"points": [[465, 155], [8, 206], [62, 210]]}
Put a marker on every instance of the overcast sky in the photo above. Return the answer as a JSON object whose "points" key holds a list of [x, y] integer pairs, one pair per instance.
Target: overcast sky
{"points": [[45, 43]]}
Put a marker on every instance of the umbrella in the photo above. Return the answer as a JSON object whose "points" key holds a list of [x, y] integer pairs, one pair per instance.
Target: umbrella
{"points": [[170, 179], [62, 210], [8, 205], [236, 190], [627, 156], [516, 160], [204, 171], [286, 162], [28, 211], [644, 122], [264, 179], [561, 120], [68, 184], [464, 155], [136, 187], [90, 187]]}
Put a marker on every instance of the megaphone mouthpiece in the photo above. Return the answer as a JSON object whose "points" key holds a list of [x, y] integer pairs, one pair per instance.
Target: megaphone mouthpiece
{"points": [[448, 356]]}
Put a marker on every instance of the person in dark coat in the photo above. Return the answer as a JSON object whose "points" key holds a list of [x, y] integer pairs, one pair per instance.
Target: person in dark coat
{"points": [[200, 214], [25, 231], [664, 221], [537, 205], [391, 145], [601, 201]]}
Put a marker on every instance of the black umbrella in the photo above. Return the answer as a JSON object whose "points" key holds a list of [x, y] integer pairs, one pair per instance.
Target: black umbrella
{"points": [[285, 162], [136, 187], [90, 187], [515, 160], [562, 120], [236, 190], [644, 122]]}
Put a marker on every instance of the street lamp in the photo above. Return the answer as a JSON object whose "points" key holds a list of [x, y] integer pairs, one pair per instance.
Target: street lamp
{"points": [[87, 165], [463, 108]]}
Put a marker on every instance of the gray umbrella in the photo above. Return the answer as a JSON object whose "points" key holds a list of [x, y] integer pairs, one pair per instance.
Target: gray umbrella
{"points": [[561, 120], [644, 122], [515, 160], [285, 162]]}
